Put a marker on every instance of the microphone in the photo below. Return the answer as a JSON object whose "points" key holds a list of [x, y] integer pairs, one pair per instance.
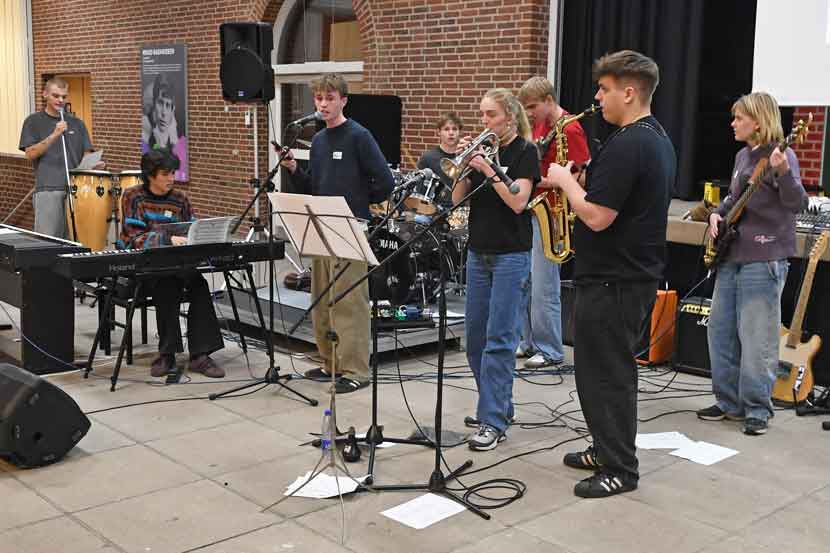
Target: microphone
{"points": [[316, 116], [508, 182], [60, 110], [415, 178]]}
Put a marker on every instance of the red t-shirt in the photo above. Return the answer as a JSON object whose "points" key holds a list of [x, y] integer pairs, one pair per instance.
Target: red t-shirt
{"points": [[577, 143]]}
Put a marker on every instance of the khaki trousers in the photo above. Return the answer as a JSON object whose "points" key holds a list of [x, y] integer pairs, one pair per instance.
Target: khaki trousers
{"points": [[350, 318]]}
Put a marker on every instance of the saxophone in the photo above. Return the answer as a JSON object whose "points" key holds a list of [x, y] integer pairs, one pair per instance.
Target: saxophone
{"points": [[551, 206]]}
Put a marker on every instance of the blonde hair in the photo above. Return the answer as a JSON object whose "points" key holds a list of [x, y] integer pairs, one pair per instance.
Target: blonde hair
{"points": [[513, 108], [57, 82], [330, 82], [536, 88], [763, 109]]}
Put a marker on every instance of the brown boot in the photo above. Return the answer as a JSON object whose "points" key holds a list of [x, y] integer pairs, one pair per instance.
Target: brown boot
{"points": [[162, 365], [203, 364]]}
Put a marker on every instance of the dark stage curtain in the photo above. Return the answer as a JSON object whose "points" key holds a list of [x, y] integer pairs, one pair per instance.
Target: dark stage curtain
{"points": [[668, 31]]}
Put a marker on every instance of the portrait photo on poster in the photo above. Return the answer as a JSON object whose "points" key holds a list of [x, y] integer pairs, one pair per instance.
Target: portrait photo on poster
{"points": [[164, 102]]}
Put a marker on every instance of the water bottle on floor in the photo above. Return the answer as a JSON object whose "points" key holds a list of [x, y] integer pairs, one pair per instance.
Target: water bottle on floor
{"points": [[325, 431]]}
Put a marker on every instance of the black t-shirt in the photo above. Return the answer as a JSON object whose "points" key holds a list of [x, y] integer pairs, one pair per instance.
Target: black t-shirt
{"points": [[494, 226], [432, 160], [633, 174]]}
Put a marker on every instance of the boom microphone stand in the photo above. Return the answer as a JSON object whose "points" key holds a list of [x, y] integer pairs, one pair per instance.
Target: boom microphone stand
{"points": [[69, 199], [272, 375]]}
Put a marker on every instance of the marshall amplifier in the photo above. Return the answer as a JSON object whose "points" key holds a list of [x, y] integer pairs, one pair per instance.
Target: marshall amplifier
{"points": [[691, 352]]}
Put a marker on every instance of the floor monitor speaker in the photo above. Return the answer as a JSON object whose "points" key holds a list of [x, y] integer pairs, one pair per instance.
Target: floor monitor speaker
{"points": [[39, 422]]}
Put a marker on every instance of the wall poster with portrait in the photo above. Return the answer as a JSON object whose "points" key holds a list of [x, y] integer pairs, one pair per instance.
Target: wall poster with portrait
{"points": [[164, 102]]}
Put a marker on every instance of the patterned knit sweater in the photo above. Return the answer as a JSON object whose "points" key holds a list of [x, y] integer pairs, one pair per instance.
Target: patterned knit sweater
{"points": [[143, 213]]}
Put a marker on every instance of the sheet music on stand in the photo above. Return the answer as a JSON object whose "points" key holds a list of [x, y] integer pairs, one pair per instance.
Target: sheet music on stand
{"points": [[213, 230], [292, 212], [210, 231]]}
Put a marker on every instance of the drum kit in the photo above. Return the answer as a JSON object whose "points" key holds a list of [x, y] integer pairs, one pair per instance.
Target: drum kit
{"points": [[413, 278], [96, 197]]}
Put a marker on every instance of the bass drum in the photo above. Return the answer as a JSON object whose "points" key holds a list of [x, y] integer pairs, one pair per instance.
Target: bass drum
{"points": [[394, 281], [424, 261]]}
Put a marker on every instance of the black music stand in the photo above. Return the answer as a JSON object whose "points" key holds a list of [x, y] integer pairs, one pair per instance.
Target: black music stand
{"points": [[437, 482], [324, 227]]}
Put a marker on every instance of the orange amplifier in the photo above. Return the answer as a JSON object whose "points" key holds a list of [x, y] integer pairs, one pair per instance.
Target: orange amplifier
{"points": [[658, 346]]}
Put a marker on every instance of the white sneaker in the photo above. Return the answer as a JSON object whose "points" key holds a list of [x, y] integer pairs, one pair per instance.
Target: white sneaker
{"points": [[486, 438], [521, 353], [539, 361]]}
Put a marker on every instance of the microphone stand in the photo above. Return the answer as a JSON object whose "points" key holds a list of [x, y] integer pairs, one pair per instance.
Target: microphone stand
{"points": [[437, 481], [69, 198], [272, 375]]}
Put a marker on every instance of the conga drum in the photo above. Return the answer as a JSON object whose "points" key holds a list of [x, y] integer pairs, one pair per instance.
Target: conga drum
{"points": [[126, 179], [92, 200]]}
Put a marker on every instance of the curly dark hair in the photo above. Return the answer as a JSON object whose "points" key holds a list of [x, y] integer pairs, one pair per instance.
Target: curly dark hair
{"points": [[156, 159]]}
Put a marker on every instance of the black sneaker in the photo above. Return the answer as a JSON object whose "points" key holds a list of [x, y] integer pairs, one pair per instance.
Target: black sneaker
{"points": [[713, 413], [755, 427], [472, 422], [603, 484], [586, 460], [346, 385]]}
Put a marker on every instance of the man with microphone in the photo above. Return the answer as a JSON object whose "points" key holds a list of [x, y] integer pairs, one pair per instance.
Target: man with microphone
{"points": [[40, 140], [345, 161]]}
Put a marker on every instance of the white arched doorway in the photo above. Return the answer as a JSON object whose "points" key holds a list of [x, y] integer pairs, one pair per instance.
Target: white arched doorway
{"points": [[307, 33]]}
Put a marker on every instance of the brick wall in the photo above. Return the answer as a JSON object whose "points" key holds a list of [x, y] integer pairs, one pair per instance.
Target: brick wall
{"points": [[102, 38], [437, 55], [809, 153], [442, 55], [16, 180]]}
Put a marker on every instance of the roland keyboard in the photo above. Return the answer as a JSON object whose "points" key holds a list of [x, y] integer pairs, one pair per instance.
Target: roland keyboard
{"points": [[164, 259]]}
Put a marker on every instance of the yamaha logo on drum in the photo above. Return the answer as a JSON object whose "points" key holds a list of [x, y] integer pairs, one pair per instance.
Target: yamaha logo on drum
{"points": [[387, 244]]}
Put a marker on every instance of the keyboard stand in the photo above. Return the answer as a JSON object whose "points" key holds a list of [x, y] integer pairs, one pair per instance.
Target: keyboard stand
{"points": [[105, 320]]}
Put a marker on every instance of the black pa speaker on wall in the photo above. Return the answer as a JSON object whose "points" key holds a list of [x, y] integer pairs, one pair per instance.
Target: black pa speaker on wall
{"points": [[245, 68], [39, 422]]}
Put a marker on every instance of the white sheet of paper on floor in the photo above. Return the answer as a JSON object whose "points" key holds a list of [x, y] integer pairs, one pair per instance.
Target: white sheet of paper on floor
{"points": [[380, 445], [424, 511], [663, 440], [450, 315], [704, 453], [324, 485]]}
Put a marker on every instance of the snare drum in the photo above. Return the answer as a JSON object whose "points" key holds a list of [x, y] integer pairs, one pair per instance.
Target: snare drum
{"points": [[91, 192], [422, 198]]}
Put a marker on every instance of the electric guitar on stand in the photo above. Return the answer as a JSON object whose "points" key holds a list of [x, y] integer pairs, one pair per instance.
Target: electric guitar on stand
{"points": [[797, 356]]}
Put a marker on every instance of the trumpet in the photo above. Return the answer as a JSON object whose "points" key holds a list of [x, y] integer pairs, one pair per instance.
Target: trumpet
{"points": [[458, 167]]}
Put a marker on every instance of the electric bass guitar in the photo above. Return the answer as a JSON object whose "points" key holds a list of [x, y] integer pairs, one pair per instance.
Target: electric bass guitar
{"points": [[717, 248], [797, 356]]}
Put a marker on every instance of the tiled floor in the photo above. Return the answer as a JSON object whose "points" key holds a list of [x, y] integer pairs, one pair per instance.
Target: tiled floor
{"points": [[195, 475]]}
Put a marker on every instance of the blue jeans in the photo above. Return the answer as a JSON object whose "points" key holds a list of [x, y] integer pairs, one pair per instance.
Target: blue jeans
{"points": [[496, 286], [542, 313], [743, 334]]}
